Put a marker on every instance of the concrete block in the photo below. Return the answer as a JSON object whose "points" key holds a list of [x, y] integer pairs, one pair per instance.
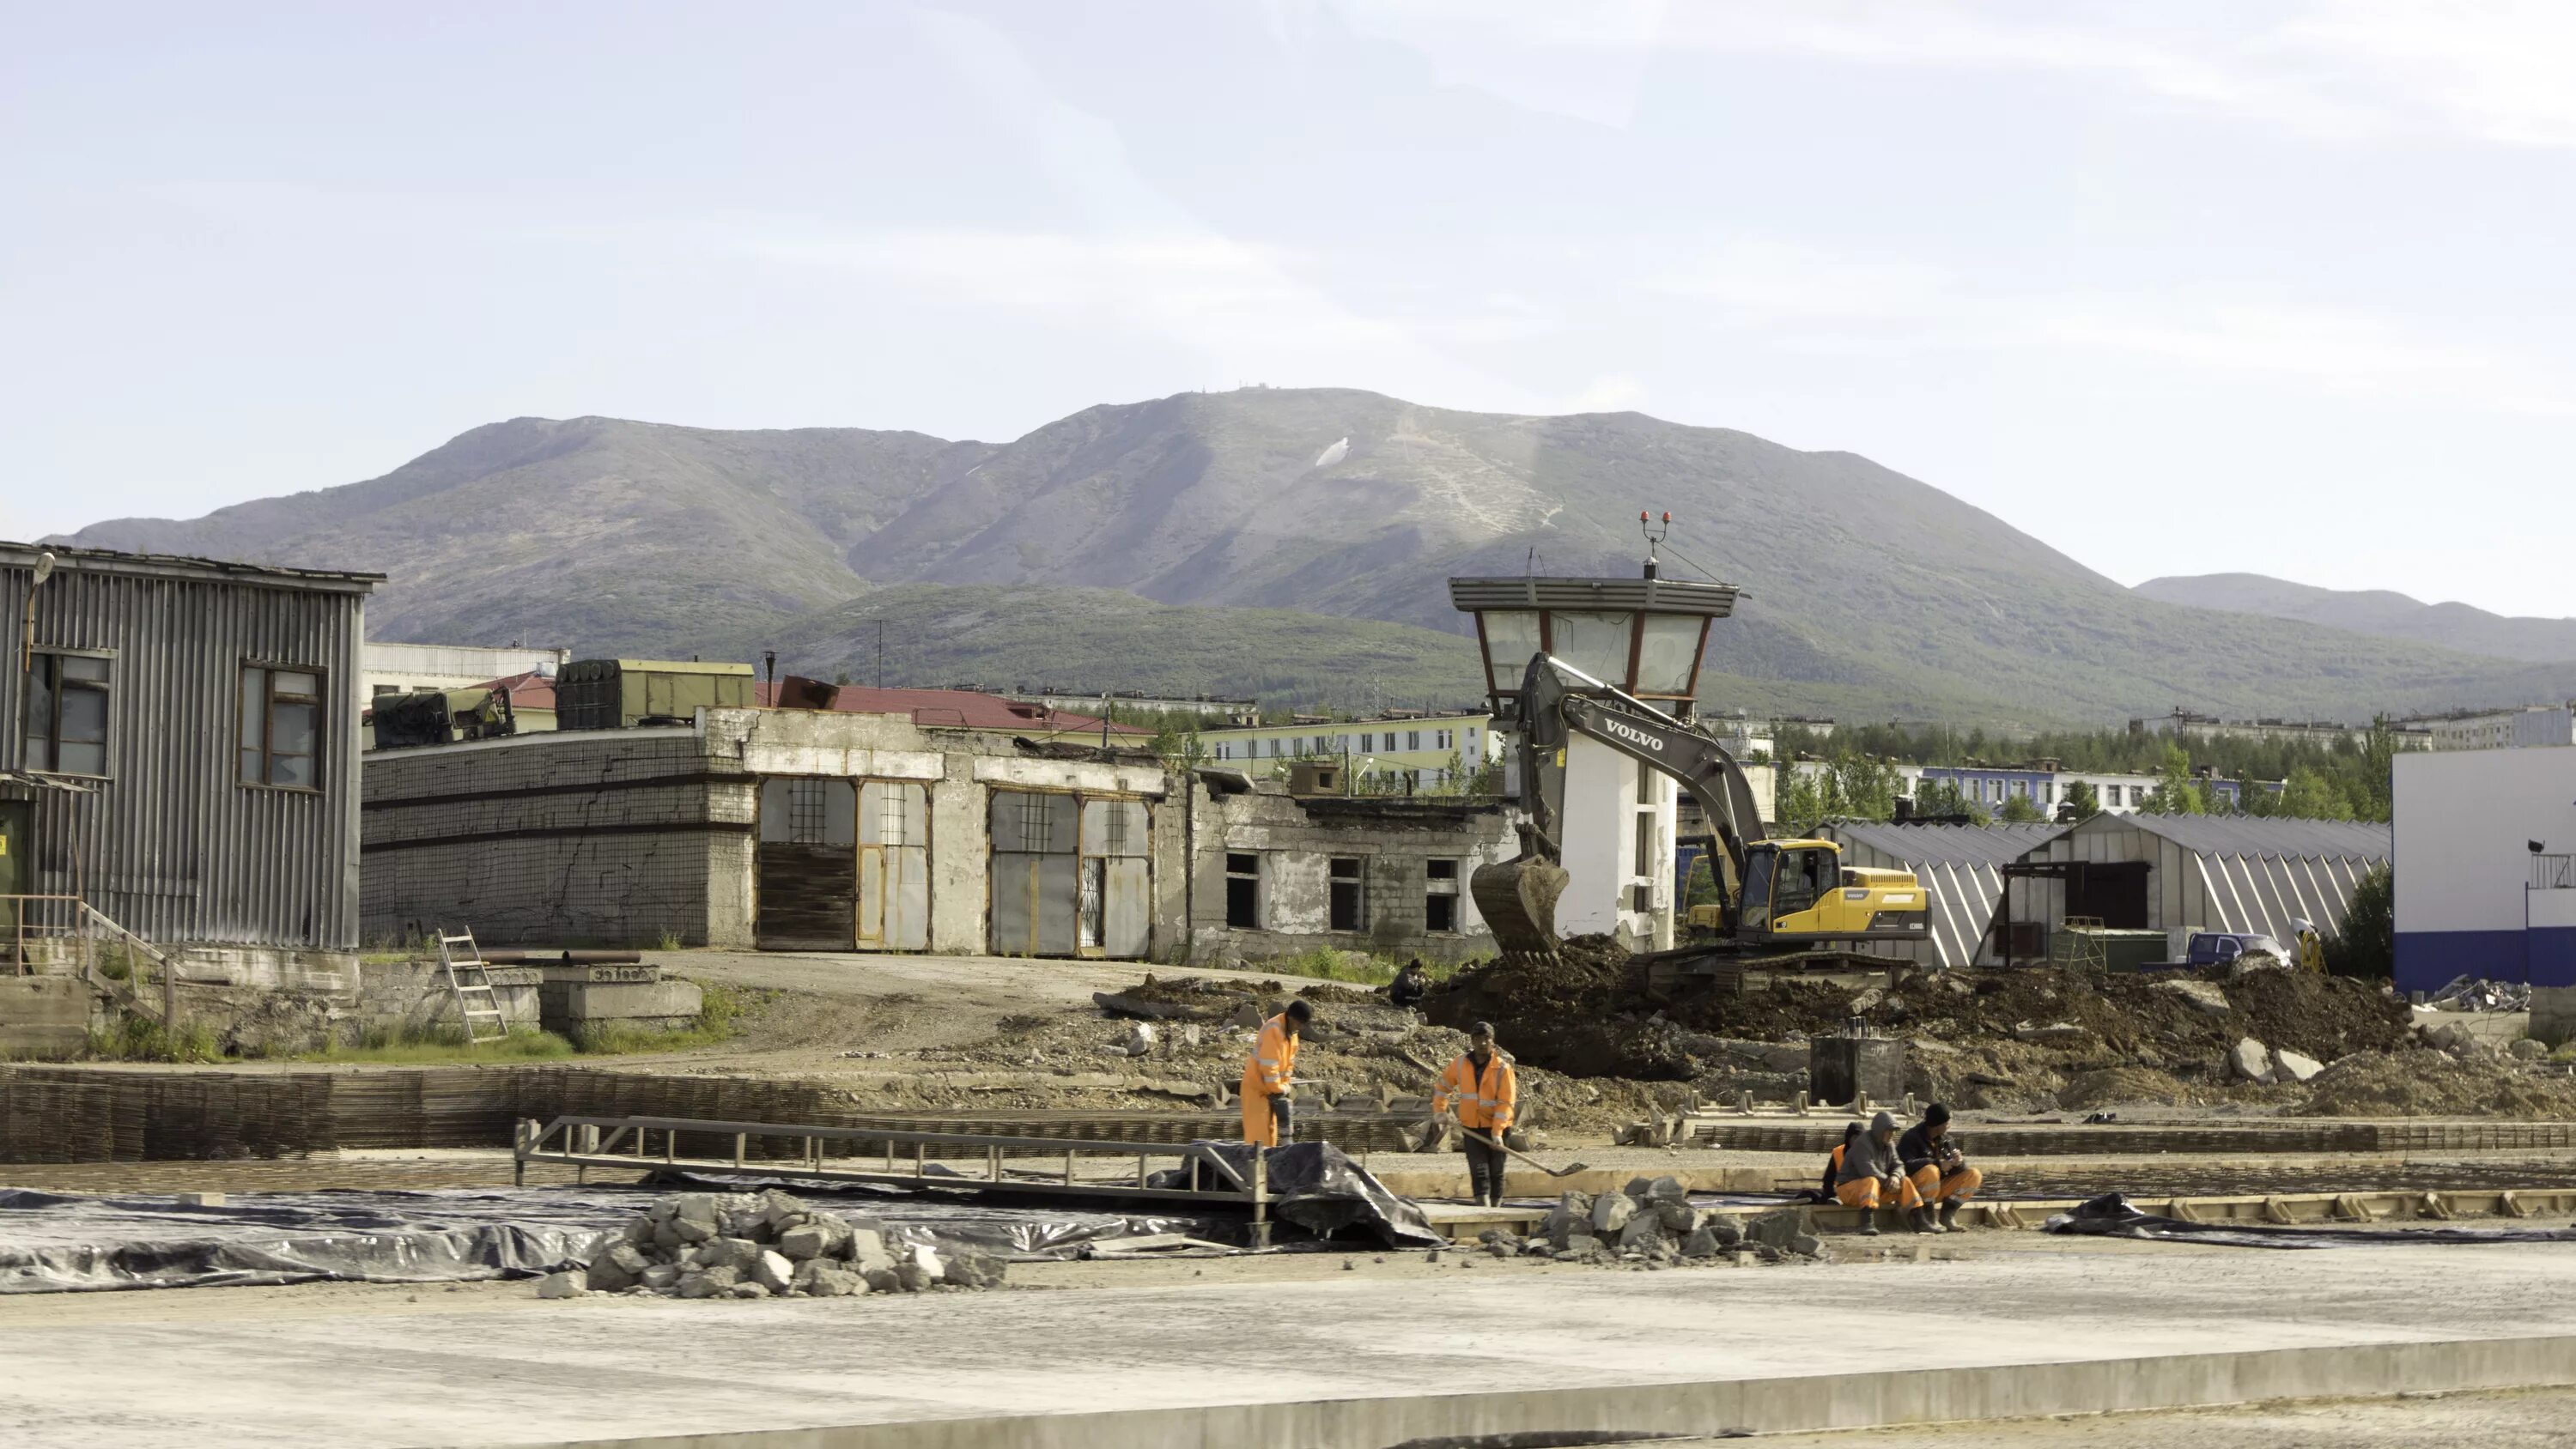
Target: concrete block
{"points": [[1679, 1219], [661, 1277], [967, 1268], [1701, 1243], [772, 1271], [2290, 1066], [749, 1290], [811, 1240], [2203, 995], [1642, 1232], [1666, 1189], [2251, 1060], [1611, 1212], [568, 1006], [43, 1016], [561, 1285]]}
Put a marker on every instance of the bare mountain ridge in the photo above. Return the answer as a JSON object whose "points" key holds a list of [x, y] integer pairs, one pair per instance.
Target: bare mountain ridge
{"points": [[2382, 612], [1867, 588]]}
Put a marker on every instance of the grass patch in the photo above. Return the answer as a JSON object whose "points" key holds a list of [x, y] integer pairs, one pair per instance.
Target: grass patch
{"points": [[1355, 968], [421, 1045], [141, 1039]]}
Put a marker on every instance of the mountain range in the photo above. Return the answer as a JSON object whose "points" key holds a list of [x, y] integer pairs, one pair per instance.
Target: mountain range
{"points": [[2383, 612], [1294, 542]]}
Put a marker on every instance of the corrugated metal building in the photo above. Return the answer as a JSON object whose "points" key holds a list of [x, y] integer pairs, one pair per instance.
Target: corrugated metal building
{"points": [[2181, 873], [182, 748], [1961, 865]]}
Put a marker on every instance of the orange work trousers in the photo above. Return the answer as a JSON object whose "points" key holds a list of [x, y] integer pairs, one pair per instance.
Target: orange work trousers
{"points": [[1864, 1192], [1931, 1186]]}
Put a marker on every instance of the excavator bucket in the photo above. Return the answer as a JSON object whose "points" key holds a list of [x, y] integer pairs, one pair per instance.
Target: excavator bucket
{"points": [[1517, 898]]}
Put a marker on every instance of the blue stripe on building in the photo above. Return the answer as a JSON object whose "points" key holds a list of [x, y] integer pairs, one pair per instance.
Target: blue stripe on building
{"points": [[2430, 960]]}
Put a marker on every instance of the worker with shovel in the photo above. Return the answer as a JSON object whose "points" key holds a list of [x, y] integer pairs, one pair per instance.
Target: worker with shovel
{"points": [[1480, 1090], [1269, 1113]]}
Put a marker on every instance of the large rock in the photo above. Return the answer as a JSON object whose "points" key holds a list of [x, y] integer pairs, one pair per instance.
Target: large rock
{"points": [[561, 1285], [819, 1238], [2251, 1060], [1581, 1245], [967, 1268], [2205, 995], [1666, 1190], [2528, 1050], [1610, 1213], [1701, 1244], [1641, 1234], [822, 1278], [661, 1277], [708, 1282], [2290, 1066], [1680, 1219], [772, 1270], [782, 1210]]}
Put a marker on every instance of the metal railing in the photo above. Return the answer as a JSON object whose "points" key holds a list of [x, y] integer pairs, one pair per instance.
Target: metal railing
{"points": [[47, 933], [2553, 872], [977, 1161]]}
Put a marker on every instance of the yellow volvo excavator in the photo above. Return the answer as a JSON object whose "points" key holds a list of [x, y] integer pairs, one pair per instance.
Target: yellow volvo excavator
{"points": [[1787, 904]]}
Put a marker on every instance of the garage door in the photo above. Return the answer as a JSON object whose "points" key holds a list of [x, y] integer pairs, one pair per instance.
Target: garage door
{"points": [[1071, 877], [808, 866], [894, 866]]}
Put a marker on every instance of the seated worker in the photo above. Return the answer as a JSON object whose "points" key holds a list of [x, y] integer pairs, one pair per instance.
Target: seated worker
{"points": [[1834, 1163], [1409, 986], [1870, 1178], [1934, 1165]]}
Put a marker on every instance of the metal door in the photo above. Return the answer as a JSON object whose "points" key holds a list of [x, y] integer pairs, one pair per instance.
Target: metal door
{"points": [[1035, 869], [16, 874], [894, 866], [808, 867], [1117, 881]]}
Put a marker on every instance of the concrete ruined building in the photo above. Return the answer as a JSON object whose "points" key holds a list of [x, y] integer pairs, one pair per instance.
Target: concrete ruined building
{"points": [[895, 820], [181, 776]]}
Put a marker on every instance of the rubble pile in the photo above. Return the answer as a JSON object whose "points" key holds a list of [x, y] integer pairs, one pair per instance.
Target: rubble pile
{"points": [[2469, 994], [764, 1245], [1589, 1013], [1652, 1224], [2469, 1081]]}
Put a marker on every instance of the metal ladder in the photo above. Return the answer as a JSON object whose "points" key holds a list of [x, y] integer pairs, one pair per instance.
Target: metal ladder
{"points": [[477, 1005]]}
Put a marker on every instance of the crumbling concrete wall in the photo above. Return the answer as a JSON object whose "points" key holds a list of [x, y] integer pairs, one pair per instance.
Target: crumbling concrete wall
{"points": [[1296, 841], [44, 1016], [609, 837]]}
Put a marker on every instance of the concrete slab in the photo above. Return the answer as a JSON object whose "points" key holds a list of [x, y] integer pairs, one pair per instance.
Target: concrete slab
{"points": [[1492, 1347]]}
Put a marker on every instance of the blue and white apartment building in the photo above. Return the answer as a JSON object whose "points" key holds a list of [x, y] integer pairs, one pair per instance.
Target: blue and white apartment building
{"points": [[2486, 866]]}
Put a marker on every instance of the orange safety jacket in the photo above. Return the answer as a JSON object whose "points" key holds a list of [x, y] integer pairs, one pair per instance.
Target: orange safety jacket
{"points": [[1272, 1063], [1483, 1103]]}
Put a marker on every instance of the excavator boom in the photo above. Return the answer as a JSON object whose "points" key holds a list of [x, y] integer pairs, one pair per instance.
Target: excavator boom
{"points": [[1518, 897]]}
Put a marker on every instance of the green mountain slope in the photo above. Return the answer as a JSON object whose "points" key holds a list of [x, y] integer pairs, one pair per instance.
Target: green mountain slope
{"points": [[1869, 592]]}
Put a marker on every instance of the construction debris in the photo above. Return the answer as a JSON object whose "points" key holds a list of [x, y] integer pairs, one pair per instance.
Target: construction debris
{"points": [[766, 1245], [1652, 1223], [2465, 993]]}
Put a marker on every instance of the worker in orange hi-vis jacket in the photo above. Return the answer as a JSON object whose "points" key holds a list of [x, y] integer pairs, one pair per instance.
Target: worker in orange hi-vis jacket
{"points": [[1480, 1091], [1269, 1117]]}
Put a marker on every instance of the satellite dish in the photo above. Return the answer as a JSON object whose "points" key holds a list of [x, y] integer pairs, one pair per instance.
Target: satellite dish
{"points": [[44, 566]]}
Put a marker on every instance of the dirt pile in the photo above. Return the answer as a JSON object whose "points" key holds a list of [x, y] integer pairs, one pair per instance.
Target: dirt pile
{"points": [[1588, 1012], [2433, 1084]]}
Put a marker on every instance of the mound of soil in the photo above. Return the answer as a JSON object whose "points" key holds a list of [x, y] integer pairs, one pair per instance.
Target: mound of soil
{"points": [[2121, 1086], [2432, 1084], [1587, 1013]]}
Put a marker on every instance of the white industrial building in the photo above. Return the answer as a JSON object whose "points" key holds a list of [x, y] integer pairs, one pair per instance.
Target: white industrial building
{"points": [[1961, 866], [385, 668], [2486, 867], [2184, 873]]}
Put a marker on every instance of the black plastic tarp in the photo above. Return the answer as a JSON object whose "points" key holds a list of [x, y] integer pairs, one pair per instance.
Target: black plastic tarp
{"points": [[1316, 1186], [55, 1243], [2113, 1216]]}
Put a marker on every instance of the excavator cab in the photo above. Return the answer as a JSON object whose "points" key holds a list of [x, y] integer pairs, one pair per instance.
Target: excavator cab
{"points": [[1806, 893]]}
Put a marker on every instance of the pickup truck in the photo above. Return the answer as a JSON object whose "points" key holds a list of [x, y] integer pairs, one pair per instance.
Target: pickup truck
{"points": [[2217, 948]]}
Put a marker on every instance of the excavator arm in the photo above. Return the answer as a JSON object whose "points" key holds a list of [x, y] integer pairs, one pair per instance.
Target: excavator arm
{"points": [[1518, 897]]}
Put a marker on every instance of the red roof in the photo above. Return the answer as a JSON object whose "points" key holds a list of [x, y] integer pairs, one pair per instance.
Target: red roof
{"points": [[970, 710]]}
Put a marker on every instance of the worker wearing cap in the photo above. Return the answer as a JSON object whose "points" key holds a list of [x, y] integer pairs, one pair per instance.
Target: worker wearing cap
{"points": [[1933, 1163], [1269, 1116], [1480, 1090], [1871, 1176]]}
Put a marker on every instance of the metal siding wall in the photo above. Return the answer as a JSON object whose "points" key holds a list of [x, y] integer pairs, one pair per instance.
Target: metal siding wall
{"points": [[171, 846]]}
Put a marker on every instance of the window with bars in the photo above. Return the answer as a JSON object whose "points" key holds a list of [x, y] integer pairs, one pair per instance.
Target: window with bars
{"points": [[66, 723], [280, 733], [1037, 824]]}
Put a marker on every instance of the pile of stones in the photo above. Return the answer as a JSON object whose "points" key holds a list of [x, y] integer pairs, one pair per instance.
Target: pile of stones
{"points": [[1652, 1224], [764, 1245]]}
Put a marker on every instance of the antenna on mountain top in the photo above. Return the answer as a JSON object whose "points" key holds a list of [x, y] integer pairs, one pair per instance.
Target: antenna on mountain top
{"points": [[1654, 535]]}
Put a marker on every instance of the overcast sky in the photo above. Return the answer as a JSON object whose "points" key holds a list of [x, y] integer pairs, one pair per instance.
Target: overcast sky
{"points": [[2176, 288]]}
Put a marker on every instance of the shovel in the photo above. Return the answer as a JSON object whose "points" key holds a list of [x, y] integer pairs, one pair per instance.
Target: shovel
{"points": [[1568, 1170]]}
